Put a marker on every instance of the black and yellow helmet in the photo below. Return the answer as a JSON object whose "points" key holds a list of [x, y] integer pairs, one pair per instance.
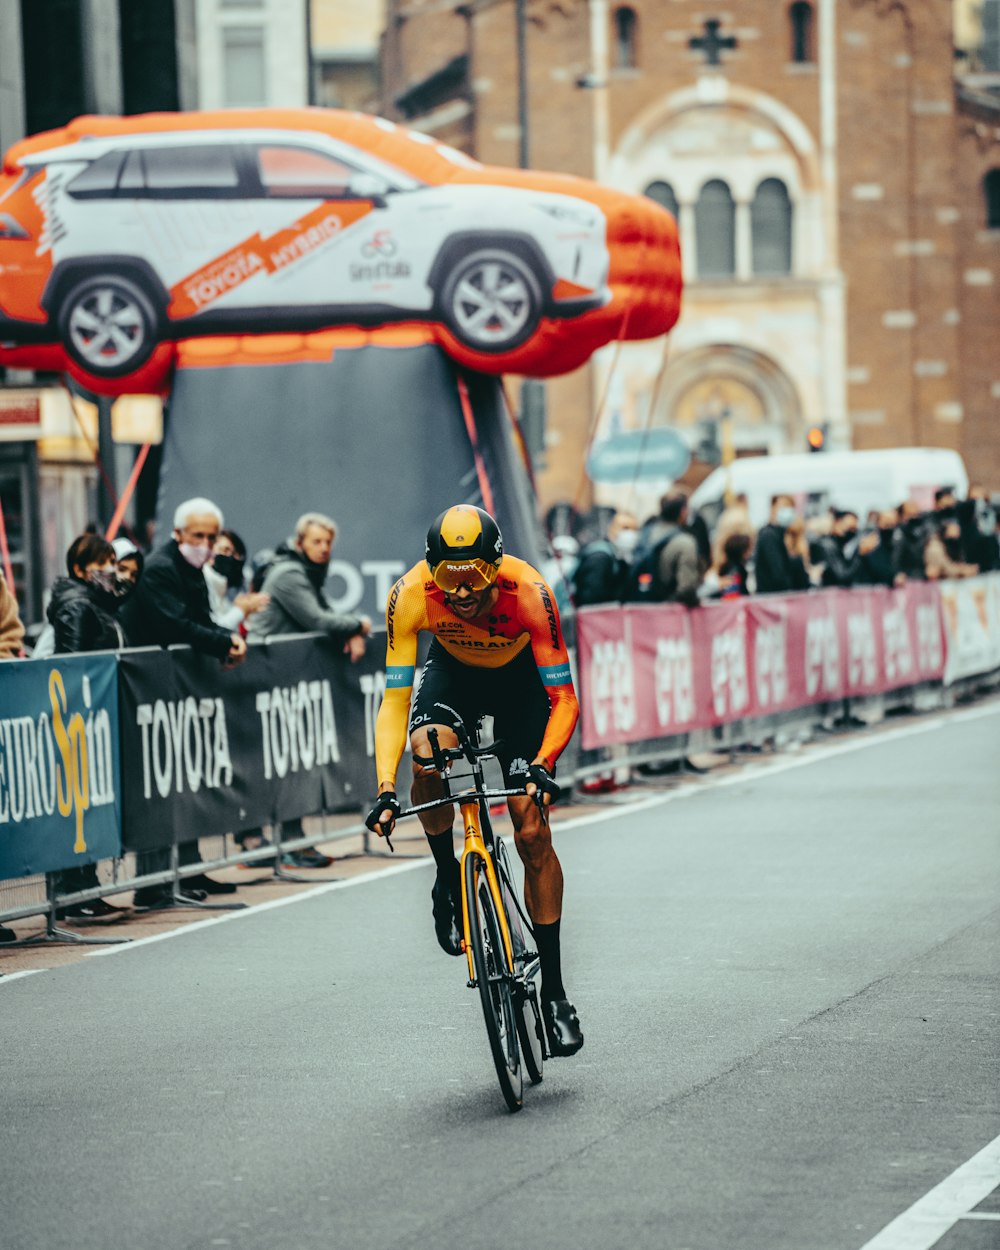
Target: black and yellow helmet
{"points": [[464, 548]]}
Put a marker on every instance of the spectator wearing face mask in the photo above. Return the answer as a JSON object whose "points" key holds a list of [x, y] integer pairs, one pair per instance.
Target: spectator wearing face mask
{"points": [[601, 574], [774, 571], [878, 565], [171, 605], [83, 613], [559, 568], [129, 561], [229, 600], [840, 550], [912, 534], [83, 610], [978, 522]]}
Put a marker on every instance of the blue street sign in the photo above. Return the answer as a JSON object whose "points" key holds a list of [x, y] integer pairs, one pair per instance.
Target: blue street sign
{"points": [[638, 455]]}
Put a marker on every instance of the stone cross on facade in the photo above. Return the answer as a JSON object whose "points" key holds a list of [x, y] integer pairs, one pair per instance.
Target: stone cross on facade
{"points": [[712, 43]]}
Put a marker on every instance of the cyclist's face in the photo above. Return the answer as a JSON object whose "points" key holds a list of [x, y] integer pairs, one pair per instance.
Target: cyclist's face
{"points": [[467, 604]]}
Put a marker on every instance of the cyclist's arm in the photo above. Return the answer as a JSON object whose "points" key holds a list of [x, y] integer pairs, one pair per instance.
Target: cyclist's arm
{"points": [[540, 616], [405, 615]]}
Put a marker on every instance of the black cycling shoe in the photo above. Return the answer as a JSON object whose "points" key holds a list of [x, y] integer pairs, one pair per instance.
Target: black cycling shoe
{"points": [[449, 932], [562, 1027]]}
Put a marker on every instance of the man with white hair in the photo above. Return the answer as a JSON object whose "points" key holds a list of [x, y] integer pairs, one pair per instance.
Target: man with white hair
{"points": [[171, 602], [171, 605]]}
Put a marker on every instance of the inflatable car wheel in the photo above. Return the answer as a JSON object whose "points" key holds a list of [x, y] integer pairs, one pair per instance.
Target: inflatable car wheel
{"points": [[491, 300], [108, 325]]}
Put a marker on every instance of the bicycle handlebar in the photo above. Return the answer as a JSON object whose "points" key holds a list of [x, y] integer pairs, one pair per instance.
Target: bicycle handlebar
{"points": [[465, 797]]}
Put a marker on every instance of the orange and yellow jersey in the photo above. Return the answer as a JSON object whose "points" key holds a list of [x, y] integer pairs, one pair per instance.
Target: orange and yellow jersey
{"points": [[524, 615]]}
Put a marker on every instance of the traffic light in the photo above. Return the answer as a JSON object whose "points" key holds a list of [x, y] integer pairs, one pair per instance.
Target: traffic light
{"points": [[816, 437]]}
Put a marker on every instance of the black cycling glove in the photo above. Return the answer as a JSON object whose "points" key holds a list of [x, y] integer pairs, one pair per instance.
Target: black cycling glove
{"points": [[386, 800], [545, 782]]}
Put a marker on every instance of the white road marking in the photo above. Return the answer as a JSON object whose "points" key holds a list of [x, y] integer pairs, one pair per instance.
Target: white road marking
{"points": [[931, 1216], [744, 776]]}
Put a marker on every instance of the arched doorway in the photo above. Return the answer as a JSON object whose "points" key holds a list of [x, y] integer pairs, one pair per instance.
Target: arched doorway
{"points": [[723, 392]]}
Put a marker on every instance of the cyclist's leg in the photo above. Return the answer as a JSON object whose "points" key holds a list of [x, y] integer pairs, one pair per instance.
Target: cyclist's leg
{"points": [[543, 875], [521, 713], [436, 706], [520, 709]]}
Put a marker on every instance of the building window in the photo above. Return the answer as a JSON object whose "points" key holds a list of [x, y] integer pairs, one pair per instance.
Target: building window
{"points": [[715, 231], [244, 81], [663, 194], [771, 228], [991, 196], [625, 32], [800, 17]]}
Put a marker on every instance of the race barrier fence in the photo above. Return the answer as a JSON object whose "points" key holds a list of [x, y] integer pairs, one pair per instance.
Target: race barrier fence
{"points": [[107, 754]]}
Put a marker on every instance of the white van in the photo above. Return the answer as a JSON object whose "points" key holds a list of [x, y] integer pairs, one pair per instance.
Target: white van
{"points": [[858, 481]]}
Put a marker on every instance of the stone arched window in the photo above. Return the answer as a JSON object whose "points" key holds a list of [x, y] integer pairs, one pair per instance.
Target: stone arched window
{"points": [[663, 194], [771, 228], [991, 199], [715, 231], [801, 28], [626, 28]]}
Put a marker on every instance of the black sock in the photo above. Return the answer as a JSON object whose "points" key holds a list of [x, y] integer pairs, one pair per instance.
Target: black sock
{"points": [[443, 849], [547, 940]]}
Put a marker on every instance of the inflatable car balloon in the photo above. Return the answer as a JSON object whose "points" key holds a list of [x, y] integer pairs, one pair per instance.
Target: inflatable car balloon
{"points": [[121, 237]]}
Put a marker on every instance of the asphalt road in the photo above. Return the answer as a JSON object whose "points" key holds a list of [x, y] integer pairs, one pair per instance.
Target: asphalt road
{"points": [[788, 985]]}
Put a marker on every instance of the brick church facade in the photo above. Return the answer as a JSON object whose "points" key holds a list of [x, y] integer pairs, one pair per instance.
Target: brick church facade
{"points": [[837, 190]]}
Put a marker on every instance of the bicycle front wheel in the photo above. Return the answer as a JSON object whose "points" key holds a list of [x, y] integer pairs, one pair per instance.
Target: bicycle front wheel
{"points": [[495, 980]]}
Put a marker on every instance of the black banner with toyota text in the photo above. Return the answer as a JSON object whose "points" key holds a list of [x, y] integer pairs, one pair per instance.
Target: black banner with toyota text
{"points": [[208, 750]]}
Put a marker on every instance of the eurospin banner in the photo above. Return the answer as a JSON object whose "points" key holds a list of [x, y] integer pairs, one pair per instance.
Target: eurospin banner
{"points": [[650, 672], [208, 750], [60, 791]]}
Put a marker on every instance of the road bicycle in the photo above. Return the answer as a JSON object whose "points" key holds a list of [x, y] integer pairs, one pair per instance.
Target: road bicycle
{"points": [[495, 927]]}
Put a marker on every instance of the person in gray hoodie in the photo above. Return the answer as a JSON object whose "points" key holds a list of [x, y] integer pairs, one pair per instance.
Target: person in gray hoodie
{"points": [[295, 580]]}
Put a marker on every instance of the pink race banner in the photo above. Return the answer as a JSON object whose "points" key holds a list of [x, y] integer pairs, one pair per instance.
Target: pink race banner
{"points": [[655, 671]]}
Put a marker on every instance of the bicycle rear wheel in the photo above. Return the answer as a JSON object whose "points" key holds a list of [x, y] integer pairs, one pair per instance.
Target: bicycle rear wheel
{"points": [[494, 978]]}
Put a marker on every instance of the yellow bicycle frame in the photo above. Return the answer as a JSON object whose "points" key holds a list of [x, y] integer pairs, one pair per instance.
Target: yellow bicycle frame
{"points": [[474, 844]]}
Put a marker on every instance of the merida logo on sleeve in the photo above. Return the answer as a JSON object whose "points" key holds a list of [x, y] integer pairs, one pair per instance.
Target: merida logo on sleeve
{"points": [[550, 612]]}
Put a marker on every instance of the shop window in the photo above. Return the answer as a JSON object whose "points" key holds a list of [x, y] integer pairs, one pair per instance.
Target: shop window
{"points": [[771, 228], [715, 231]]}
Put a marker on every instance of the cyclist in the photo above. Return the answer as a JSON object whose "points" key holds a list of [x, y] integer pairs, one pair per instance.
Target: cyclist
{"points": [[497, 650]]}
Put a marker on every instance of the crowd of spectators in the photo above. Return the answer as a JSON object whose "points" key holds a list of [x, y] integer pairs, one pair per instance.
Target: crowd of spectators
{"points": [[197, 589], [672, 558]]}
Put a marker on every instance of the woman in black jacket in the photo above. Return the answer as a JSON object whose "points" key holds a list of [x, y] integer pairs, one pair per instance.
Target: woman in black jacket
{"points": [[84, 607], [83, 613]]}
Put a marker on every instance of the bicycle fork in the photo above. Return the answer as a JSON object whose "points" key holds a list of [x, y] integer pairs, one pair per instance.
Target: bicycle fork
{"points": [[474, 845]]}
